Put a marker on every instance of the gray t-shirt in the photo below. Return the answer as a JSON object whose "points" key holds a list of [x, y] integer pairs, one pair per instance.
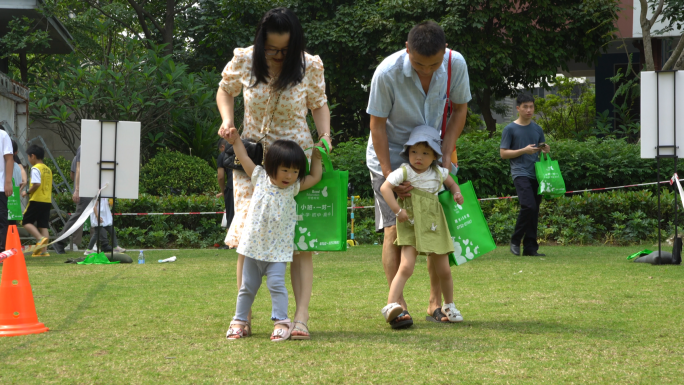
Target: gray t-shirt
{"points": [[16, 174], [77, 159], [515, 137]]}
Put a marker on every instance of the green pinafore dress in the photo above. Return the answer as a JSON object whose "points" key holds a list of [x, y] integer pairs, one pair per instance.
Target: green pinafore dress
{"points": [[426, 230]]}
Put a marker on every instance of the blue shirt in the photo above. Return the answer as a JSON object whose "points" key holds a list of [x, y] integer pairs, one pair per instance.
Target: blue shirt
{"points": [[515, 137], [396, 94]]}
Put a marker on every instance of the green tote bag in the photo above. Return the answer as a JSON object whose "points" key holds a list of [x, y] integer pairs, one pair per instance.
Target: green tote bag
{"points": [[551, 183], [467, 225], [14, 204], [322, 212]]}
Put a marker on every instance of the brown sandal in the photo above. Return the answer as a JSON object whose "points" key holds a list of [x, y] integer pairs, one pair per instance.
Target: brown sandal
{"points": [[301, 330]]}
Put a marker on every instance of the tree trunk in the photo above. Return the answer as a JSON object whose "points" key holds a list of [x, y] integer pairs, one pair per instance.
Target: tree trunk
{"points": [[646, 25], [167, 34], [23, 67], [484, 102]]}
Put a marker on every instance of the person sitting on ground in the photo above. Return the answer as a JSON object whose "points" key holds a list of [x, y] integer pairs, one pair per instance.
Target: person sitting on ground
{"points": [[102, 223], [422, 226], [37, 211]]}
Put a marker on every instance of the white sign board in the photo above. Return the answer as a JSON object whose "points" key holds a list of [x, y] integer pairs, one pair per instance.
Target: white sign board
{"points": [[96, 135], [661, 95]]}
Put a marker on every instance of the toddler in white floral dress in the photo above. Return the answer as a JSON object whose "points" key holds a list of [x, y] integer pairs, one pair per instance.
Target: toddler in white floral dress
{"points": [[267, 241]]}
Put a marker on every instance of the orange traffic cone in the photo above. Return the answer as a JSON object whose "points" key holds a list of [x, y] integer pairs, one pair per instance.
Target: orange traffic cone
{"points": [[17, 310]]}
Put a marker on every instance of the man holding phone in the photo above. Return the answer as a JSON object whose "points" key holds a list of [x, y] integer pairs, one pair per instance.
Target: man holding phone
{"points": [[521, 143]]}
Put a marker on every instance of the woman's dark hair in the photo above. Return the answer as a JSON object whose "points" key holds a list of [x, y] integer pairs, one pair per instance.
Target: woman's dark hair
{"points": [[285, 153], [15, 148], [280, 20], [427, 39]]}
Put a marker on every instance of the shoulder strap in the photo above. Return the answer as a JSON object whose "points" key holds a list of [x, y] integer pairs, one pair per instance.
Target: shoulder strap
{"points": [[403, 170], [447, 104], [439, 172]]}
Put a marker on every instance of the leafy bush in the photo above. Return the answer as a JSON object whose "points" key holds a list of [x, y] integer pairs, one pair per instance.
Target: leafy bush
{"points": [[591, 164], [183, 173], [616, 218], [570, 112], [351, 156], [64, 165]]}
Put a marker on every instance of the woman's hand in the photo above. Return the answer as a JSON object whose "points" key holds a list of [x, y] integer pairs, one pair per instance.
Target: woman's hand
{"points": [[231, 135], [225, 128], [327, 140], [458, 198]]}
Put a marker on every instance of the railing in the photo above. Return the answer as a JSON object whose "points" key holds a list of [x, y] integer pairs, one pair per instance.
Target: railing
{"points": [[12, 89]]}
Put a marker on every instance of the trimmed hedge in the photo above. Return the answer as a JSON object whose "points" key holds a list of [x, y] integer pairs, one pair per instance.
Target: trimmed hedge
{"points": [[615, 218], [171, 171], [591, 164]]}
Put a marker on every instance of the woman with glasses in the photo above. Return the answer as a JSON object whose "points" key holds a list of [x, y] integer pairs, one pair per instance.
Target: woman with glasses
{"points": [[280, 83]]}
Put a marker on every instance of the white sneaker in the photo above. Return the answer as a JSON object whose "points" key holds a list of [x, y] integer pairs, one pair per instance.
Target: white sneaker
{"points": [[391, 311], [88, 252], [449, 309], [119, 250]]}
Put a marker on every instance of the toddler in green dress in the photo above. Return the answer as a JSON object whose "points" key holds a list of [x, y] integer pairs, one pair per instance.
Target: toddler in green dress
{"points": [[421, 225]]}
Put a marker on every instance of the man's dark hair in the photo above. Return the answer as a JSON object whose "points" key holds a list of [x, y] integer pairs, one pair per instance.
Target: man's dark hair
{"points": [[285, 153], [523, 98], [280, 20], [427, 39], [222, 142], [36, 150]]}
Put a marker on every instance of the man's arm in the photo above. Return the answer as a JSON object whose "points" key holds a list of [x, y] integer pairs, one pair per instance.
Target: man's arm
{"points": [[378, 127], [9, 168], [454, 129], [221, 176], [77, 183], [510, 154]]}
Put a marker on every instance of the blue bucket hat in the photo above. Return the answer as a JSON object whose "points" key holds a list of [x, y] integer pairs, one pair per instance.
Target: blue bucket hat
{"points": [[427, 134]]}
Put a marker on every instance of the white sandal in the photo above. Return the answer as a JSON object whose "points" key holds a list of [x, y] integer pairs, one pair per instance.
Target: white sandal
{"points": [[391, 311], [282, 334], [449, 309], [234, 334]]}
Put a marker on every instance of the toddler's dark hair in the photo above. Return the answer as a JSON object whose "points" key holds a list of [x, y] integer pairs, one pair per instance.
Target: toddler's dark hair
{"points": [[285, 153], [36, 150]]}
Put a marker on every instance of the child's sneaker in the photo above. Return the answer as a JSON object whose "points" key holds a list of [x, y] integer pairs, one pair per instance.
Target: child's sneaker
{"points": [[120, 250], [391, 311], [449, 309]]}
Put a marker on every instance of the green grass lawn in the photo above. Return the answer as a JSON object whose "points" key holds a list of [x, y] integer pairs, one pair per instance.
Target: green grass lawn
{"points": [[579, 315]]}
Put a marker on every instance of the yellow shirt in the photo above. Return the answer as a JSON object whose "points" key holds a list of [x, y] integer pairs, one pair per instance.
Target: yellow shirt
{"points": [[44, 192]]}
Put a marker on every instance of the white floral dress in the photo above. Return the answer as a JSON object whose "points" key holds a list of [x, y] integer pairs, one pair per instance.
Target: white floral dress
{"points": [[289, 120], [268, 233]]}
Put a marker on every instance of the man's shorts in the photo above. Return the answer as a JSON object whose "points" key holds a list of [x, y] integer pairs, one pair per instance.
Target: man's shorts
{"points": [[384, 216], [38, 213]]}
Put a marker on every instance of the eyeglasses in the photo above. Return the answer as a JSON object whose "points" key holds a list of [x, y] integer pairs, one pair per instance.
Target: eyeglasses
{"points": [[273, 52]]}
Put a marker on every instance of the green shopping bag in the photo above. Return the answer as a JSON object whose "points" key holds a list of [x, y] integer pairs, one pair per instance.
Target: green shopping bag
{"points": [[14, 204], [467, 225], [322, 212], [551, 184]]}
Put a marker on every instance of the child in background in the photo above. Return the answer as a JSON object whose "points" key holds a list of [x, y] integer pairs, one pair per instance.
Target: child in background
{"points": [[421, 225], [37, 213], [267, 242], [102, 220]]}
